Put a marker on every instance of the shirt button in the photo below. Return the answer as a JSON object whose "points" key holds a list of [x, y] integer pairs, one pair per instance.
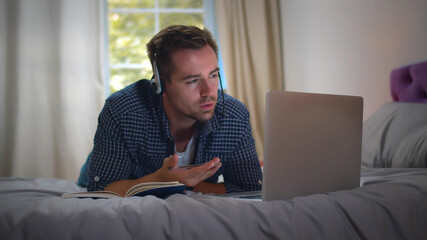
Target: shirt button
{"points": [[96, 179]]}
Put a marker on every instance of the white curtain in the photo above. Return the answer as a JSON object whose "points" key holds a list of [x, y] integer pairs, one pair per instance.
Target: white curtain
{"points": [[51, 87], [249, 32]]}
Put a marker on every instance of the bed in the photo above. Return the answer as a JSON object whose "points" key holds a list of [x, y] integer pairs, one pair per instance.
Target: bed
{"points": [[390, 204]]}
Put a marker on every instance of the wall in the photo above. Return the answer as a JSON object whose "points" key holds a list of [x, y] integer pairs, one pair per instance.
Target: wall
{"points": [[350, 46]]}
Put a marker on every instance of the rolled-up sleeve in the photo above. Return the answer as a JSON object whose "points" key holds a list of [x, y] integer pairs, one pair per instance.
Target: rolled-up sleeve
{"points": [[110, 159], [243, 171]]}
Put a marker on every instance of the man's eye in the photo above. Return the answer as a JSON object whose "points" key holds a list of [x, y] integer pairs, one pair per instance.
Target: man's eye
{"points": [[192, 81], [215, 75]]}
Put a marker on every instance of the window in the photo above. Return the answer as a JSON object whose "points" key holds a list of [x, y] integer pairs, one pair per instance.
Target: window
{"points": [[132, 23]]}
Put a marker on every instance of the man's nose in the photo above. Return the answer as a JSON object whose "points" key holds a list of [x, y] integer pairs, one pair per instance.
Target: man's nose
{"points": [[207, 87]]}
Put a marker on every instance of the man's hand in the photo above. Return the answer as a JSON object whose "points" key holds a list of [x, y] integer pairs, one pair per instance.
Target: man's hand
{"points": [[171, 172], [189, 177]]}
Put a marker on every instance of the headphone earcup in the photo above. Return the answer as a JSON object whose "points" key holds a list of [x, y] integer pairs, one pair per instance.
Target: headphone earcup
{"points": [[156, 83]]}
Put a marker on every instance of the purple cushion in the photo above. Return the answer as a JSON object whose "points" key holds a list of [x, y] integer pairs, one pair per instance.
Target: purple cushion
{"points": [[409, 83]]}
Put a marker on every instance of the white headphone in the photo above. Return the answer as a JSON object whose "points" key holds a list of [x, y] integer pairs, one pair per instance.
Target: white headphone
{"points": [[156, 83]]}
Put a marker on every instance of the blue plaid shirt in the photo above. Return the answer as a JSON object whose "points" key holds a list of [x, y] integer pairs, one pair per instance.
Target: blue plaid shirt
{"points": [[133, 139]]}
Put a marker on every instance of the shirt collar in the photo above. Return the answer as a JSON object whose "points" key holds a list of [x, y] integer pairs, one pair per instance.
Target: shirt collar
{"points": [[210, 125], [166, 134]]}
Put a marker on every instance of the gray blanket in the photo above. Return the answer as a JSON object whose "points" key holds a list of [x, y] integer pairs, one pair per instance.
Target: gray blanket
{"points": [[391, 204]]}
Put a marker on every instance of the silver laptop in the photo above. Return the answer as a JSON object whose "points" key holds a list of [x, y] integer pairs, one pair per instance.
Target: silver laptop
{"points": [[312, 144]]}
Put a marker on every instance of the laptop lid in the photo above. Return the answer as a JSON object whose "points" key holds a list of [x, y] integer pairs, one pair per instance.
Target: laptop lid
{"points": [[312, 144]]}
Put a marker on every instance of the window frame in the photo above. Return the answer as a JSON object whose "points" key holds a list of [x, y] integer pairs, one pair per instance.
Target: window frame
{"points": [[209, 21]]}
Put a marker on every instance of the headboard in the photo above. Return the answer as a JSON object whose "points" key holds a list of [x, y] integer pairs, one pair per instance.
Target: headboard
{"points": [[409, 83]]}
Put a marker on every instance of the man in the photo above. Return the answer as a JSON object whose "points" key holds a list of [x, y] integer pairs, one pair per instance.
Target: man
{"points": [[143, 136]]}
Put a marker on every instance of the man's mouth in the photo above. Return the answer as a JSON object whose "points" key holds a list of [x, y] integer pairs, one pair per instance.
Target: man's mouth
{"points": [[207, 106]]}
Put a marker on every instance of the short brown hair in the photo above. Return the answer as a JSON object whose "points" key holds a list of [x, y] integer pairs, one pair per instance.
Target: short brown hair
{"points": [[173, 38]]}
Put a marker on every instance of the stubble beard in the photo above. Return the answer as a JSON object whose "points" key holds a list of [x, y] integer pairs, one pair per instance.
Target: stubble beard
{"points": [[201, 117]]}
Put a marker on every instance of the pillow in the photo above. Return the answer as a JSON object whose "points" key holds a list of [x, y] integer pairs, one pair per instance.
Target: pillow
{"points": [[396, 136]]}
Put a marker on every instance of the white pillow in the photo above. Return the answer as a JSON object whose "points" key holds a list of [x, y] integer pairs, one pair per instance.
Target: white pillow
{"points": [[396, 136], [412, 151]]}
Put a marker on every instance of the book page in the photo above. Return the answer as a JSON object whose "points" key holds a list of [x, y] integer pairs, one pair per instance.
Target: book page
{"points": [[150, 185], [138, 188]]}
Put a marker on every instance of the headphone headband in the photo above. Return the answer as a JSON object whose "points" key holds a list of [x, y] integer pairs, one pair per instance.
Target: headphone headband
{"points": [[156, 82]]}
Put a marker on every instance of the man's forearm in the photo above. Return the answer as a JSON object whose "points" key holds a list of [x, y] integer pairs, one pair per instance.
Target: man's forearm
{"points": [[122, 186], [169, 172], [205, 187]]}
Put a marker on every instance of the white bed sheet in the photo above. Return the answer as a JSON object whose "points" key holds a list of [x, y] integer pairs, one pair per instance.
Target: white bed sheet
{"points": [[392, 204]]}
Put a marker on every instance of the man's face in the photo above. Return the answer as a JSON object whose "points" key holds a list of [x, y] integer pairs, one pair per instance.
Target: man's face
{"points": [[191, 93]]}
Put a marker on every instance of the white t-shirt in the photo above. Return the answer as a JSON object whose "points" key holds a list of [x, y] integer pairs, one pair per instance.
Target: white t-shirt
{"points": [[184, 158]]}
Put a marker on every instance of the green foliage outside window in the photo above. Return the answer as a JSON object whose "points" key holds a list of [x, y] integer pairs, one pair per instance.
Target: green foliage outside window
{"points": [[132, 23]]}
